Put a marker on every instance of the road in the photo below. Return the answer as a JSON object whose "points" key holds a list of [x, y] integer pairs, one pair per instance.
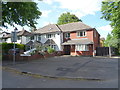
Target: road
{"points": [[87, 67], [12, 80]]}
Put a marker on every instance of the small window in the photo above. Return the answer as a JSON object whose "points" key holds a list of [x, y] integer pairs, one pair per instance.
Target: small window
{"points": [[67, 35], [82, 48], [81, 33], [32, 38], [94, 33], [53, 46], [39, 37]]}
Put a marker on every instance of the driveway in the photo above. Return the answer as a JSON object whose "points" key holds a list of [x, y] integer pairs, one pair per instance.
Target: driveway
{"points": [[72, 67]]}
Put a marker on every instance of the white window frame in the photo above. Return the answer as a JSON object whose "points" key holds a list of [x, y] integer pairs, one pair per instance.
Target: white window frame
{"points": [[82, 47], [79, 33], [67, 35], [39, 38], [50, 35]]}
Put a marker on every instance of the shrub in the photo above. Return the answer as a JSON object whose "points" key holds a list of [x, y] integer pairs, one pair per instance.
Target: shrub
{"points": [[7, 46], [50, 50]]}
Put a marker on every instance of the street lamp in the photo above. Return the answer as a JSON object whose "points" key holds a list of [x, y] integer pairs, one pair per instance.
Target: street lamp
{"points": [[14, 39]]}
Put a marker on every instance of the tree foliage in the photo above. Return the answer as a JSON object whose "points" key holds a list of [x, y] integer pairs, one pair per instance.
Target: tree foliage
{"points": [[67, 18], [20, 13], [111, 12]]}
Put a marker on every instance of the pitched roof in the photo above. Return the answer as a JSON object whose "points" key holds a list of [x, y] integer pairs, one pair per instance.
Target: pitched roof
{"points": [[20, 33], [74, 27], [78, 41], [49, 41], [48, 29]]}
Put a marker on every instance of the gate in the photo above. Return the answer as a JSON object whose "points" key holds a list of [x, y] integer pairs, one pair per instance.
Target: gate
{"points": [[102, 51]]}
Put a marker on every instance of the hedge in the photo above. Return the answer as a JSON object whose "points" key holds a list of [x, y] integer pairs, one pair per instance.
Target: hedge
{"points": [[7, 46]]}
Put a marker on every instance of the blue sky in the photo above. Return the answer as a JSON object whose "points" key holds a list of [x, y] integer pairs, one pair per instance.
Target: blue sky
{"points": [[87, 10]]}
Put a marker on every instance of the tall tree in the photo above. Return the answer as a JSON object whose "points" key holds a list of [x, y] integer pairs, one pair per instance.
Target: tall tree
{"points": [[111, 12], [20, 13], [67, 18]]}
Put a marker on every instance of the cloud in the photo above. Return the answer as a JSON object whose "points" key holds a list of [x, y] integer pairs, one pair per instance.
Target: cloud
{"points": [[79, 7], [48, 1], [45, 13], [106, 28]]}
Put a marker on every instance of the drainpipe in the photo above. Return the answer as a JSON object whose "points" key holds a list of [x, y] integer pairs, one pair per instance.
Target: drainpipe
{"points": [[93, 50]]}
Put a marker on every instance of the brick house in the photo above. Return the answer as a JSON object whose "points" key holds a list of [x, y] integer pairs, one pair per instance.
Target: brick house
{"points": [[79, 39]]}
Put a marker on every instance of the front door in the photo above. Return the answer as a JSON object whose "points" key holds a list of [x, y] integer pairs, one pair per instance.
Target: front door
{"points": [[67, 49]]}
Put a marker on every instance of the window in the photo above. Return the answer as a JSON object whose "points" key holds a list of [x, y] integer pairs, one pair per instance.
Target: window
{"points": [[50, 35], [67, 35], [39, 37], [32, 38], [82, 47], [94, 33], [53, 46], [81, 33]]}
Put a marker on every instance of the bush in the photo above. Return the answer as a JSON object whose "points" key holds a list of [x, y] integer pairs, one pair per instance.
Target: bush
{"points": [[50, 50], [7, 46]]}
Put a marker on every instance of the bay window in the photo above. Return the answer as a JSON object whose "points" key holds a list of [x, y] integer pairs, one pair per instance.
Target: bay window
{"points": [[82, 47]]}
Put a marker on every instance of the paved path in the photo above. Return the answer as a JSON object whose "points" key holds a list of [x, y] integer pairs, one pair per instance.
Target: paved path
{"points": [[71, 67]]}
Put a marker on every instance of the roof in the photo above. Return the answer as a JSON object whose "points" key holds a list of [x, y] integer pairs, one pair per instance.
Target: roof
{"points": [[78, 41], [49, 41], [20, 33], [70, 27], [48, 29], [31, 43], [23, 33]]}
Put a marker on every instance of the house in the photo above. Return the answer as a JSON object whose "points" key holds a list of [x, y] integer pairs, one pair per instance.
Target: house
{"points": [[2, 34], [23, 37], [102, 42], [50, 35], [73, 38]]}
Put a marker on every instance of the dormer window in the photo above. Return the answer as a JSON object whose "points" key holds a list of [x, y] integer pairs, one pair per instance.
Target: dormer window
{"points": [[81, 33]]}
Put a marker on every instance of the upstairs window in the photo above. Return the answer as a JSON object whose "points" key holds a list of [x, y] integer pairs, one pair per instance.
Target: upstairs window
{"points": [[50, 35], [81, 33], [67, 35], [32, 38]]}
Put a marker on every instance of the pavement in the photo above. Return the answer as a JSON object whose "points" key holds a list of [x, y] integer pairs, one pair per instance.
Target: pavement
{"points": [[68, 67]]}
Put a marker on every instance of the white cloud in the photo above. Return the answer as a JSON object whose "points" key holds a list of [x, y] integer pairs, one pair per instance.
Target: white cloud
{"points": [[45, 13], [48, 1], [79, 7], [106, 28]]}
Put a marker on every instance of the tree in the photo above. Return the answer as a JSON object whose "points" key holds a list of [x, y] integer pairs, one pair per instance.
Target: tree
{"points": [[111, 12], [67, 18], [20, 13]]}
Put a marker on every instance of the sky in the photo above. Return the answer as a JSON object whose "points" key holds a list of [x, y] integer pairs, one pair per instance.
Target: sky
{"points": [[87, 10]]}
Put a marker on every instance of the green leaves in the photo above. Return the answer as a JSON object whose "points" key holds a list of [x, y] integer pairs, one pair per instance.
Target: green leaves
{"points": [[20, 13], [67, 18]]}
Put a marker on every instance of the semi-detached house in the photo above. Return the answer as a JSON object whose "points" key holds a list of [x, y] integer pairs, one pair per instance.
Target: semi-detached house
{"points": [[72, 39]]}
